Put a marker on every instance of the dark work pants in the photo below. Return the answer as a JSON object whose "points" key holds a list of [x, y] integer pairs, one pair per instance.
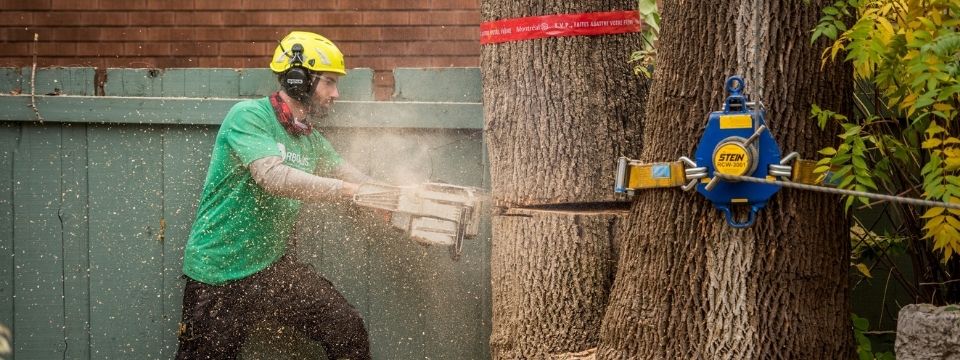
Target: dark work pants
{"points": [[216, 319]]}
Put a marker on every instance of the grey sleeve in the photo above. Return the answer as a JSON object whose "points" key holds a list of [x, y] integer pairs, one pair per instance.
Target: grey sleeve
{"points": [[349, 173], [282, 180]]}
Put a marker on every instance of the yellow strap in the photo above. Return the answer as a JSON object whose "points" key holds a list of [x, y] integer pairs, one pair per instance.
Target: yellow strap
{"points": [[656, 175], [803, 173]]}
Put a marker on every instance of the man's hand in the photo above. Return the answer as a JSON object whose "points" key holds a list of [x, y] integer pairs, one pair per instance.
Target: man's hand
{"points": [[371, 188]]}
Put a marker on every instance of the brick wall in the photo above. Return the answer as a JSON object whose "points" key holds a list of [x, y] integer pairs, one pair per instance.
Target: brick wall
{"points": [[378, 34]]}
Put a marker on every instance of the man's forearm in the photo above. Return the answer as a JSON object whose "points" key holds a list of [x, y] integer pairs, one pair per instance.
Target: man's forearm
{"points": [[282, 180], [349, 173]]}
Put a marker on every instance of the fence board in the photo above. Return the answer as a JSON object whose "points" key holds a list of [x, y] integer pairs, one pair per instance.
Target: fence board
{"points": [[125, 166], [257, 82], [75, 241], [202, 83], [132, 82], [439, 84], [452, 310], [9, 138], [60, 81], [10, 81], [186, 155], [38, 245]]}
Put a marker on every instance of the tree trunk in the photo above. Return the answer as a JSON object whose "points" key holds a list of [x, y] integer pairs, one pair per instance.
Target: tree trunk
{"points": [[558, 112], [551, 275], [688, 286]]}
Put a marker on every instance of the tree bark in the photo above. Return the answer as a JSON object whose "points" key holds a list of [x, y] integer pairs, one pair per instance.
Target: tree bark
{"points": [[551, 275], [688, 286], [558, 112]]}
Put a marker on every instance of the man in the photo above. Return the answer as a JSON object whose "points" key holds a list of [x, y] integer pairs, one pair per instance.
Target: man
{"points": [[236, 258]]}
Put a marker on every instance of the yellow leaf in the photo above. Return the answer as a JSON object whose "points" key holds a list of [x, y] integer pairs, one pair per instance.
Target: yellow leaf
{"points": [[933, 223], [931, 143], [952, 163], [907, 102], [935, 17], [885, 29], [934, 211], [864, 270], [942, 107], [837, 46], [954, 225], [950, 233], [885, 9], [939, 241], [933, 128]]}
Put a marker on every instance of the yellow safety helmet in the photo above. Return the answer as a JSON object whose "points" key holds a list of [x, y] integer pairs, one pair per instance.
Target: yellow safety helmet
{"points": [[318, 54]]}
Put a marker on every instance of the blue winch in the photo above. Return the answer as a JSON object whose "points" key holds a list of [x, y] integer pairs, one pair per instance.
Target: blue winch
{"points": [[735, 143]]}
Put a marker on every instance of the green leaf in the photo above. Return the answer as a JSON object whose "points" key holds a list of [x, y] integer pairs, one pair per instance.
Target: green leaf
{"points": [[925, 100], [848, 202], [851, 130], [867, 182], [859, 162], [860, 323], [830, 32]]}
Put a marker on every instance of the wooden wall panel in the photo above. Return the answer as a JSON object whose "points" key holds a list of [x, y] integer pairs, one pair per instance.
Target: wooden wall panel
{"points": [[126, 189], [38, 244]]}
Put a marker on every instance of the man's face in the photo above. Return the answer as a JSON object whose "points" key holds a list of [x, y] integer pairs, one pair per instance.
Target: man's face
{"points": [[324, 94]]}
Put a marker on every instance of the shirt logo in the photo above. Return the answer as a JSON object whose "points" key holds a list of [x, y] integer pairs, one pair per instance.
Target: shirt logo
{"points": [[292, 157]]}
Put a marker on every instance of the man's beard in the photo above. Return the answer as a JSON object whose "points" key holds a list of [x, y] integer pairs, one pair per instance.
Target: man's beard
{"points": [[317, 114]]}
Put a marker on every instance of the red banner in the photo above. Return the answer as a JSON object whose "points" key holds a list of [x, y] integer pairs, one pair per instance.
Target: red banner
{"points": [[599, 23]]}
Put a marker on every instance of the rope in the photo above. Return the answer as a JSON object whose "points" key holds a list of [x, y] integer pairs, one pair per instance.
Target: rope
{"points": [[892, 198]]}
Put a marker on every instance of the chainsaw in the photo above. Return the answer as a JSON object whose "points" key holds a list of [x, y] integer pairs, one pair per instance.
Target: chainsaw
{"points": [[429, 213]]}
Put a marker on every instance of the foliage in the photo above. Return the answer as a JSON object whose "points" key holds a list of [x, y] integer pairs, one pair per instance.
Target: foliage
{"points": [[644, 58], [906, 141], [864, 346]]}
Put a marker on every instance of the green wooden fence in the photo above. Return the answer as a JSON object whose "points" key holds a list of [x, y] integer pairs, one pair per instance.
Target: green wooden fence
{"points": [[97, 199]]}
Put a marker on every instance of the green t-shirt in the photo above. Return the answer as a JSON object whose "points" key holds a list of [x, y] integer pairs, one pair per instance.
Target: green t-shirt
{"points": [[241, 229]]}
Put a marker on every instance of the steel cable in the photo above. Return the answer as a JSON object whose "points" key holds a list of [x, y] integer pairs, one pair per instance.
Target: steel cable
{"points": [[893, 198]]}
